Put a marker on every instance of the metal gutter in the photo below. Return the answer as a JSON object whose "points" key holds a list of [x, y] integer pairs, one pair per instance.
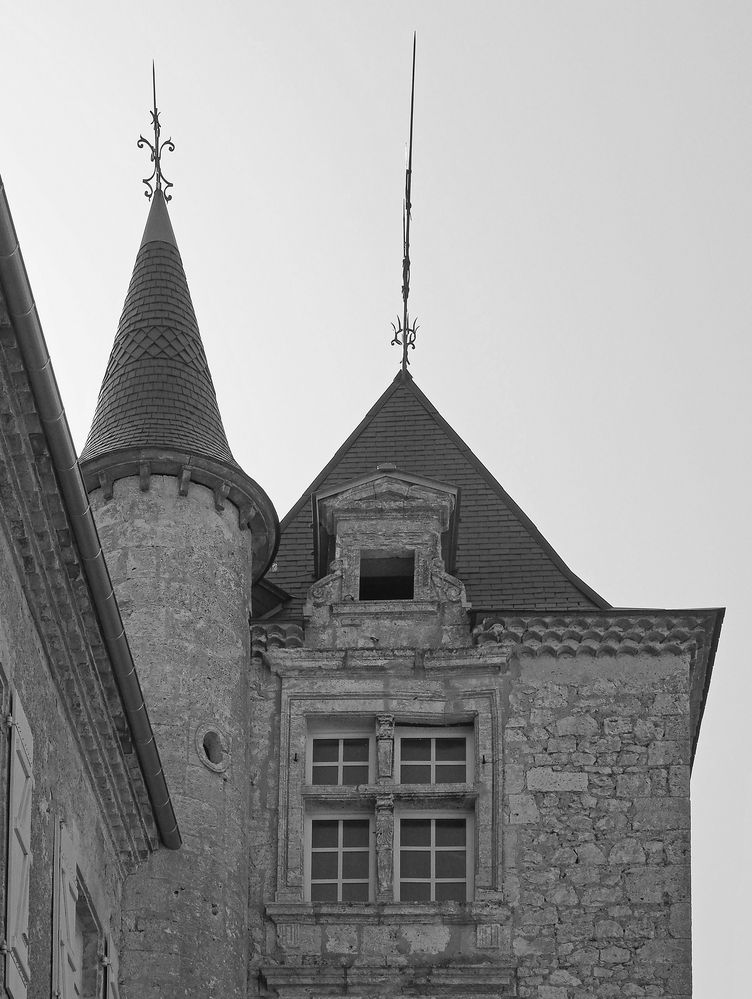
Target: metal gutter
{"points": [[23, 312]]}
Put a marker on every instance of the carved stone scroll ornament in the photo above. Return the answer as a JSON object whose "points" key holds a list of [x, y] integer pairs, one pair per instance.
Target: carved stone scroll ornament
{"points": [[385, 847], [447, 588], [385, 743], [328, 590]]}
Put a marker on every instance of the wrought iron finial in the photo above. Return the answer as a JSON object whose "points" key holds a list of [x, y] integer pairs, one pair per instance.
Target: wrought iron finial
{"points": [[156, 179], [404, 331]]}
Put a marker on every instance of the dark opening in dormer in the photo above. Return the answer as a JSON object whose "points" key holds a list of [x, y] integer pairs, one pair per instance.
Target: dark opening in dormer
{"points": [[386, 575]]}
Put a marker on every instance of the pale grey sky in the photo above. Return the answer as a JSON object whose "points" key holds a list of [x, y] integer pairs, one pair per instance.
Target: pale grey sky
{"points": [[582, 244]]}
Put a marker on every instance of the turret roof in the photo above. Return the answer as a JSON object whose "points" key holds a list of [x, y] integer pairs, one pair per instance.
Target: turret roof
{"points": [[157, 390], [502, 558]]}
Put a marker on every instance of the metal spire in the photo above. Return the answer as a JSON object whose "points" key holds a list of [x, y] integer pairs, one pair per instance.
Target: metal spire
{"points": [[156, 149], [404, 333]]}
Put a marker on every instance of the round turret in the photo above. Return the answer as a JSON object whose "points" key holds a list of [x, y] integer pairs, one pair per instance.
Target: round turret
{"points": [[185, 532]]}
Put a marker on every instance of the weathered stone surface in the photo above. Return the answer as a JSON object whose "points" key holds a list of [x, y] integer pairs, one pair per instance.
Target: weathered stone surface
{"points": [[548, 779]]}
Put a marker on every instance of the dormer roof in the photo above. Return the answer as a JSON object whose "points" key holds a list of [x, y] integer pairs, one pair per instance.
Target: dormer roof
{"points": [[501, 557]]}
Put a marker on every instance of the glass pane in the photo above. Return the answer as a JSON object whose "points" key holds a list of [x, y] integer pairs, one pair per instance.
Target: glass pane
{"points": [[415, 774], [415, 749], [450, 832], [355, 865], [415, 832], [355, 751], [447, 773], [415, 891], [355, 832], [415, 864], [352, 775], [451, 864], [325, 775], [323, 893], [355, 892], [451, 892], [324, 832], [325, 750], [323, 866], [451, 750]]}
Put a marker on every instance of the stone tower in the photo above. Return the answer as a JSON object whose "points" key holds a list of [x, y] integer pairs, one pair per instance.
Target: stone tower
{"points": [[187, 532]]}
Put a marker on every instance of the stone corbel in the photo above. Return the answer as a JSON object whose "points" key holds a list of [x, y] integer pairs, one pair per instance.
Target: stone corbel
{"points": [[220, 495], [105, 484], [144, 476], [185, 479]]}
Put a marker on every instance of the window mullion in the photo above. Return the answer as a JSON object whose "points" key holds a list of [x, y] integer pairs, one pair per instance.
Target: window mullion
{"points": [[385, 847]]}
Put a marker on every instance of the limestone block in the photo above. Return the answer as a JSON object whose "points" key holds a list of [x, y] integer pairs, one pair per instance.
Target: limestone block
{"points": [[658, 885], [660, 814], [577, 725], [626, 851], [547, 779], [522, 809]]}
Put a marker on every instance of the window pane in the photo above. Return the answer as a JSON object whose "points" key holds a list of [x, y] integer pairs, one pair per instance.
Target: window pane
{"points": [[355, 832], [415, 864], [447, 773], [451, 750], [324, 832], [325, 750], [323, 866], [450, 832], [451, 892], [323, 893], [451, 864], [355, 865], [355, 892], [415, 749], [415, 832], [325, 775], [355, 751], [415, 891], [352, 775], [412, 774]]}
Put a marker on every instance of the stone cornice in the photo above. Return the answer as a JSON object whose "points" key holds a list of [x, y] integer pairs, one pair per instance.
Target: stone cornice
{"points": [[35, 520], [470, 979]]}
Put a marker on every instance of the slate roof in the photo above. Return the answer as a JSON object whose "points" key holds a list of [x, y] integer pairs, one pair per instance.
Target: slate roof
{"points": [[157, 390], [501, 556]]}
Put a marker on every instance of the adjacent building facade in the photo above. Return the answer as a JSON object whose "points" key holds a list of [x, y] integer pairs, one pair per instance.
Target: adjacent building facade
{"points": [[391, 746]]}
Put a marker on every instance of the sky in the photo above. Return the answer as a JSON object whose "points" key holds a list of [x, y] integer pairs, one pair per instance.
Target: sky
{"points": [[581, 250]]}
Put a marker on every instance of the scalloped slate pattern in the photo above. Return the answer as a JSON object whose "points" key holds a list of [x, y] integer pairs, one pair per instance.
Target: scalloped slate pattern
{"points": [[157, 390]]}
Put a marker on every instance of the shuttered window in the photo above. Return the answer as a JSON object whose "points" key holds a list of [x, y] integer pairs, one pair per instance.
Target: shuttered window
{"points": [[17, 967], [68, 955]]}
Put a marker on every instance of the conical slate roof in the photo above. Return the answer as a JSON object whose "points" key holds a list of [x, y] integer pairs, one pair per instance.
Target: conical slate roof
{"points": [[157, 390]]}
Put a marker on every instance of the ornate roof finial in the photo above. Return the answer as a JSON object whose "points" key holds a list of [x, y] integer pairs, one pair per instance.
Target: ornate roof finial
{"points": [[156, 150], [404, 333]]}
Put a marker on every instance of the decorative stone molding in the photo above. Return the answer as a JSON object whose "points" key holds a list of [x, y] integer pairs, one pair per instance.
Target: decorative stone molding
{"points": [[384, 848], [385, 747]]}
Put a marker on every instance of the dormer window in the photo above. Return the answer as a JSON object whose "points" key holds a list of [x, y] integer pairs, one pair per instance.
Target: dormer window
{"points": [[387, 575]]}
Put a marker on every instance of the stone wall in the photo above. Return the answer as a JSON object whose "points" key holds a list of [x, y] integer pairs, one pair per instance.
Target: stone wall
{"points": [[181, 572], [583, 867], [597, 864], [62, 786]]}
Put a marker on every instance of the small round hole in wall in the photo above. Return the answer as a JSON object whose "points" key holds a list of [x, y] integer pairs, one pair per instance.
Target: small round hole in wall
{"points": [[212, 748], [212, 744]]}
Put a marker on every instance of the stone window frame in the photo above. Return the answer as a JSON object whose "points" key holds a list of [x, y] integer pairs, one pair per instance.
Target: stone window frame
{"points": [[479, 708]]}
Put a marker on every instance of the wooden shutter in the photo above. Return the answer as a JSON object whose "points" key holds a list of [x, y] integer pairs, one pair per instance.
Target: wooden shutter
{"points": [[111, 969], [67, 958], [17, 968]]}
